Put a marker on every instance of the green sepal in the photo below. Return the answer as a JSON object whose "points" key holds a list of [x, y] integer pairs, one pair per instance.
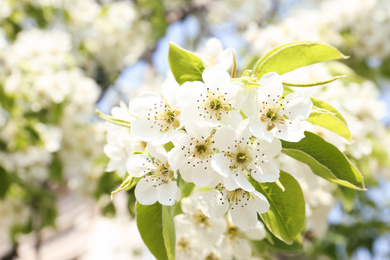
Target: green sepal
{"points": [[113, 120], [126, 185]]}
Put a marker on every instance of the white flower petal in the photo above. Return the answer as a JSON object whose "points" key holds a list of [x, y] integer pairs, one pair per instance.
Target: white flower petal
{"points": [[177, 157], [138, 165], [221, 164], [200, 176], [242, 181], [144, 129], [142, 104], [250, 103], [261, 203], [229, 183], [112, 165], [231, 119], [293, 132], [257, 233], [267, 149], [272, 86], [169, 89], [145, 193], [190, 91], [198, 129], [114, 152], [167, 193], [213, 204], [243, 131], [224, 138], [241, 249], [259, 129], [215, 78], [298, 106], [186, 171], [157, 151], [244, 216], [265, 172]]}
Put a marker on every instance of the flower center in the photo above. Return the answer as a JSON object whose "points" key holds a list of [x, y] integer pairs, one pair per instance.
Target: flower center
{"points": [[211, 256], [201, 219], [216, 105], [183, 244], [272, 117], [163, 171], [167, 118], [232, 232], [203, 148], [236, 195], [241, 158]]}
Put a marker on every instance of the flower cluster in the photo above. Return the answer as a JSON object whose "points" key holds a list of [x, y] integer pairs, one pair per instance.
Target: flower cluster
{"points": [[208, 133]]}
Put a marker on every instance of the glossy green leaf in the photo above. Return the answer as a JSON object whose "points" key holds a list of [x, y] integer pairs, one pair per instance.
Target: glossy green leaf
{"points": [[169, 231], [286, 216], [328, 117], [312, 84], [325, 160], [155, 225], [184, 65], [292, 56]]}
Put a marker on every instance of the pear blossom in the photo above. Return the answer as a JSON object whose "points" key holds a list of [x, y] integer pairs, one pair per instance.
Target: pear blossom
{"points": [[156, 117], [204, 231], [213, 101], [157, 183], [234, 244], [239, 157], [214, 55], [192, 155], [272, 115], [120, 142], [242, 205]]}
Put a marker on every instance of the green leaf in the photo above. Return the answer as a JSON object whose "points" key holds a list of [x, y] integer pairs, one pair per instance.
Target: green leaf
{"points": [[312, 84], [294, 55], [328, 117], [113, 120], [275, 243], [184, 65], [286, 216], [169, 231], [155, 225], [325, 160], [4, 182]]}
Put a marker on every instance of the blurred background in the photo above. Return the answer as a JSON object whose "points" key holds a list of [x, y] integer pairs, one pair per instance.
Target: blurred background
{"points": [[62, 59]]}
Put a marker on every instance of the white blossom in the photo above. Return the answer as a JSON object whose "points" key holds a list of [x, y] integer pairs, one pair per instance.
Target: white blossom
{"points": [[242, 205], [192, 155], [156, 118], [240, 157], [213, 101], [272, 115], [158, 182]]}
